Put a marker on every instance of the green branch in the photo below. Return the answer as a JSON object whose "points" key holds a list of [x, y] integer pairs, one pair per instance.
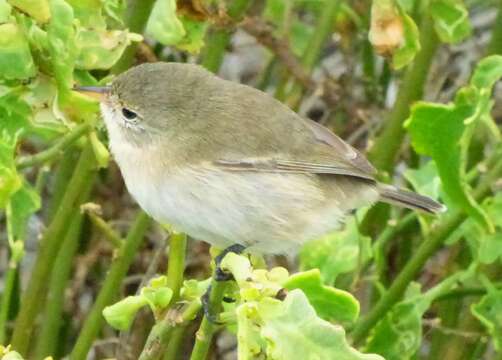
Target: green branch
{"points": [[420, 256], [204, 335], [136, 17], [386, 146], [163, 330], [311, 55], [495, 45], [57, 149], [49, 245], [176, 263], [219, 39], [159, 336], [110, 234], [47, 341], [111, 287]]}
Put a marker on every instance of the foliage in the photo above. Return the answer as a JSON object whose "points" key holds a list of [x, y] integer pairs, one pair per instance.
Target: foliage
{"points": [[362, 292]]}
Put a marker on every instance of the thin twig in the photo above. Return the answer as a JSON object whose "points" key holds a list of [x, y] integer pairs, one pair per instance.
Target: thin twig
{"points": [[263, 33], [436, 324], [57, 149]]}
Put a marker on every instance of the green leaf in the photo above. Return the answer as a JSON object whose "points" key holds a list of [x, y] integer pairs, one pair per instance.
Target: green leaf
{"points": [[330, 303], [438, 130], [166, 27], [15, 57], [89, 13], [425, 180], [100, 151], [486, 248], [157, 294], [10, 181], [274, 11], [444, 131], [294, 331], [489, 312], [62, 47], [5, 10], [451, 20], [239, 266], [194, 38], [15, 113], [37, 9], [121, 314], [336, 253], [194, 289], [7, 354], [410, 46], [101, 49], [158, 298], [250, 342], [399, 334], [488, 72], [22, 205], [490, 248], [163, 24]]}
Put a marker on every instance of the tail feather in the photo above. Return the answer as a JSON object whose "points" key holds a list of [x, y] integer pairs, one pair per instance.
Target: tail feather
{"points": [[408, 199]]}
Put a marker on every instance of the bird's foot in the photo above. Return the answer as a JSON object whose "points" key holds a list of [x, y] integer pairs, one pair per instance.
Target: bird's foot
{"points": [[219, 275]]}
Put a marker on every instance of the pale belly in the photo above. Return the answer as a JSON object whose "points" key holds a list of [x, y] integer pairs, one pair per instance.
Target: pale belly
{"points": [[272, 213]]}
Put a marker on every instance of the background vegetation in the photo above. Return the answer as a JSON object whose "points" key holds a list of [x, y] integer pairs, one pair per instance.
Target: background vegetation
{"points": [[409, 81]]}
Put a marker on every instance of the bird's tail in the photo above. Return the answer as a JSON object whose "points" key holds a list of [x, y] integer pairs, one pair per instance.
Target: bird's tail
{"points": [[409, 199]]}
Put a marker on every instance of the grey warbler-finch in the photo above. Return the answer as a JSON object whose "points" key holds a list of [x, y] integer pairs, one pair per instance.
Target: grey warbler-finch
{"points": [[229, 164]]}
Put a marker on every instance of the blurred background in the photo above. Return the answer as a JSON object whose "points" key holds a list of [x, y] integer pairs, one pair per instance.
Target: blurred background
{"points": [[356, 67]]}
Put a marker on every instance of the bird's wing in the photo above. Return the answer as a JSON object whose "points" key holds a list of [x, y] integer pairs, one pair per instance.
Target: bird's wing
{"points": [[353, 157], [330, 155]]}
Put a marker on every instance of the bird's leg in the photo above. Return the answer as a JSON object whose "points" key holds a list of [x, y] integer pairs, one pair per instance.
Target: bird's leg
{"points": [[219, 275]]}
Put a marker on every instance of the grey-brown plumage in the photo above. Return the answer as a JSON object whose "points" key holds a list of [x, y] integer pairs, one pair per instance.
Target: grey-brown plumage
{"points": [[227, 163]]}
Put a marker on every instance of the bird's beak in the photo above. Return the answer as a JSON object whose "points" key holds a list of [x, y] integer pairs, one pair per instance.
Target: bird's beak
{"points": [[97, 92]]}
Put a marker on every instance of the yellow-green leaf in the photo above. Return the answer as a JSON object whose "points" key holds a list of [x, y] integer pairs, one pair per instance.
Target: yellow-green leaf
{"points": [[451, 20], [15, 56], [37, 9]]}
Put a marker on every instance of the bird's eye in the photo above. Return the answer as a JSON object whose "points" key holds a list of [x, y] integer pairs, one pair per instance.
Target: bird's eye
{"points": [[129, 114]]}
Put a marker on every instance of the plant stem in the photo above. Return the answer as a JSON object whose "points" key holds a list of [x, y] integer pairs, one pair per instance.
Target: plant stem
{"points": [[422, 254], [175, 271], [176, 263], [9, 281], [206, 330], [48, 249], [495, 45], [163, 330], [175, 341], [110, 234], [47, 155], [111, 286], [219, 38], [386, 146], [137, 14], [311, 55], [48, 339], [64, 170], [386, 236]]}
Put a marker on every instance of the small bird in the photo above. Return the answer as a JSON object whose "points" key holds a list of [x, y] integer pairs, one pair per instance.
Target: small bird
{"points": [[229, 164]]}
